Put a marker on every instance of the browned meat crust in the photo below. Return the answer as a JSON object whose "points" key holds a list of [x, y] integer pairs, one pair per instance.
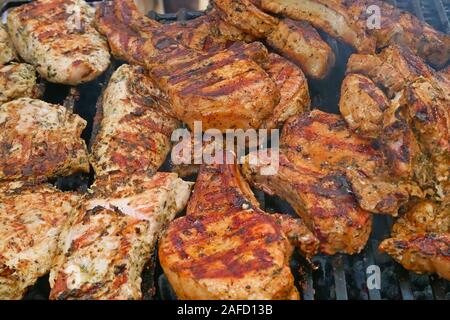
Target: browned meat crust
{"points": [[227, 248]]}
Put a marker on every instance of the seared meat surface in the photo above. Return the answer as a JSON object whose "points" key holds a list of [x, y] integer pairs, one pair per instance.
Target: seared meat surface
{"points": [[39, 140], [429, 112], [134, 130], [414, 126], [330, 16], [224, 89], [347, 20], [323, 200], [18, 80], [421, 239], [31, 219], [363, 105], [226, 247], [393, 69], [58, 37], [302, 44], [328, 143], [103, 250], [7, 51], [247, 17], [297, 41]]}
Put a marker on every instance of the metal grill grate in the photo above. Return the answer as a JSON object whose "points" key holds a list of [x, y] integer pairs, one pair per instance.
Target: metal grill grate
{"points": [[339, 277]]}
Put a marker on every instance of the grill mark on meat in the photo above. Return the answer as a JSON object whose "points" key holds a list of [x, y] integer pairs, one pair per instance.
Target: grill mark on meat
{"points": [[368, 87], [201, 70], [200, 266]]}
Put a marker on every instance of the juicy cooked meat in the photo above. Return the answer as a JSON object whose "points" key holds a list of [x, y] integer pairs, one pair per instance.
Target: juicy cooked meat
{"points": [[330, 16], [247, 17], [347, 20], [421, 253], [400, 146], [423, 216], [31, 219], [429, 112], [289, 79], [301, 43], [39, 140], [124, 217], [7, 51], [226, 247], [18, 80], [369, 113], [295, 40], [134, 130], [58, 37], [323, 200], [406, 30], [421, 239], [293, 87], [393, 69], [224, 89], [415, 132], [206, 33], [326, 141], [362, 105], [384, 74]]}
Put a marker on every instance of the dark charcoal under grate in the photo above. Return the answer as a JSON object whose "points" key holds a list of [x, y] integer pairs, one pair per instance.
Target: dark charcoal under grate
{"points": [[338, 277]]}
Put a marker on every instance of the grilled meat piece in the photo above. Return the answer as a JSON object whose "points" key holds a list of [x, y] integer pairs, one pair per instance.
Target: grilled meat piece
{"points": [[327, 142], [297, 41], [399, 144], [31, 219], [58, 37], [301, 43], [421, 253], [323, 200], [384, 74], [393, 69], [226, 247], [330, 16], [417, 118], [362, 105], [421, 239], [135, 131], [124, 216], [404, 29], [293, 88], [224, 89], [39, 140], [18, 80], [7, 51], [445, 73], [206, 33], [370, 114], [347, 21], [424, 216], [213, 33]]}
